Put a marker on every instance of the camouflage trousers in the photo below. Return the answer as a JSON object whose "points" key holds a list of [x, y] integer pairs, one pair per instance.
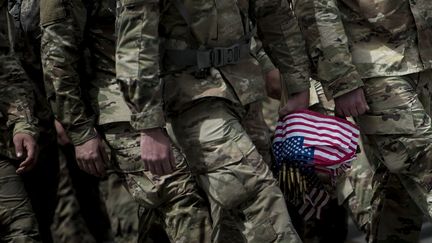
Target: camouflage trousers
{"points": [[231, 171], [41, 185], [257, 129], [81, 215], [17, 220], [399, 128], [174, 197], [122, 209]]}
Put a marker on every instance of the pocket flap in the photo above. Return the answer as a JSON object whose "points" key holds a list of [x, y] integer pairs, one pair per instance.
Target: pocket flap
{"points": [[395, 123]]}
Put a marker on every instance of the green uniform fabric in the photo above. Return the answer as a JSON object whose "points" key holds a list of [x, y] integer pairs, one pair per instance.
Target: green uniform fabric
{"points": [[82, 103], [139, 57], [81, 214], [382, 46], [16, 116], [174, 197], [227, 159], [206, 114]]}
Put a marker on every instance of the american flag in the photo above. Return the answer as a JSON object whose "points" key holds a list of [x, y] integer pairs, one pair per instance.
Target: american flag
{"points": [[307, 142], [328, 141]]}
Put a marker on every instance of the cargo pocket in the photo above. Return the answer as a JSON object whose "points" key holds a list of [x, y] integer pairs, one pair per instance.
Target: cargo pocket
{"points": [[125, 152], [391, 132], [52, 11]]}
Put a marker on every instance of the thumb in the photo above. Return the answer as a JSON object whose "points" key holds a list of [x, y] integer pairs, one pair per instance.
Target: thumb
{"points": [[19, 148]]}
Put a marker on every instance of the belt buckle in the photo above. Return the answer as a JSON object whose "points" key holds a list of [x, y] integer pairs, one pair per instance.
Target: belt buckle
{"points": [[226, 55]]}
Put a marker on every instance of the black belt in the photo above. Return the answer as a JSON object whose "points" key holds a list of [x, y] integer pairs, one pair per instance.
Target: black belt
{"points": [[203, 59]]}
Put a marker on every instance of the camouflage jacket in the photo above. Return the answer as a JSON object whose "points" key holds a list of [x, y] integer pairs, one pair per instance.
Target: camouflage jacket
{"points": [[153, 85], [350, 40], [79, 65], [16, 96]]}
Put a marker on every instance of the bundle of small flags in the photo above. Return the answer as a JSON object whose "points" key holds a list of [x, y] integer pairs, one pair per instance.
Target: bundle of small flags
{"points": [[306, 143]]}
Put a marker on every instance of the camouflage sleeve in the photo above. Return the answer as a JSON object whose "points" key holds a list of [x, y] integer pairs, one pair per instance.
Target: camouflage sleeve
{"points": [[137, 61], [324, 30], [283, 42], [17, 100], [62, 37], [261, 56]]}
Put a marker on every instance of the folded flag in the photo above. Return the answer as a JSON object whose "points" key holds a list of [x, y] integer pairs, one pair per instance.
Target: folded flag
{"points": [[305, 143]]}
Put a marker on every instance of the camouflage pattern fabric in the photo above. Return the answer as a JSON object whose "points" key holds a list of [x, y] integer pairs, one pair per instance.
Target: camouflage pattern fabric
{"points": [[138, 68], [256, 128], [16, 116], [122, 209], [69, 225], [81, 214], [381, 46], [396, 217], [93, 23], [227, 159], [16, 215], [175, 197], [391, 39]]}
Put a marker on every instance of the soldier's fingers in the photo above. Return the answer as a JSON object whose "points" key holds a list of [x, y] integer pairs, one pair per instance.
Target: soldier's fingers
{"points": [[85, 166], [353, 111], [31, 151], [166, 167], [161, 167], [146, 166], [99, 167], [19, 147], [153, 168]]}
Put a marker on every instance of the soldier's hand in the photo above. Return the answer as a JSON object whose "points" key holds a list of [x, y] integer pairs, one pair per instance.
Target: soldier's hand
{"points": [[90, 157], [156, 152], [273, 85], [351, 104], [299, 101], [25, 148], [62, 137]]}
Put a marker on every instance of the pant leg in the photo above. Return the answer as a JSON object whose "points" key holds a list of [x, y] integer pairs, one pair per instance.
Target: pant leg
{"points": [[257, 130], [175, 196], [17, 221], [231, 171], [400, 129], [396, 217], [122, 209], [41, 184], [68, 226], [91, 203]]}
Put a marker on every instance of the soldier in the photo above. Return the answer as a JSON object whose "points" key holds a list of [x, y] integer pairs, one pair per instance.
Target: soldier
{"points": [[374, 59], [18, 149], [201, 80], [42, 183], [84, 103]]}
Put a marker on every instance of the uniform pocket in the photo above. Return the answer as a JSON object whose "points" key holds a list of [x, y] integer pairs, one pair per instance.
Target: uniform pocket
{"points": [[397, 122], [125, 152], [392, 133]]}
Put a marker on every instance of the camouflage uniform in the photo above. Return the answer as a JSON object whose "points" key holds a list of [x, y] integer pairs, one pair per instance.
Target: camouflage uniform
{"points": [[383, 47], [205, 107], [16, 116], [68, 29], [41, 182]]}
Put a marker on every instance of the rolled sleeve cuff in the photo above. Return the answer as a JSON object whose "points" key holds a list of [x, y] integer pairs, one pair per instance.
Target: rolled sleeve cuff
{"points": [[343, 86], [295, 84], [27, 128], [82, 134], [148, 120]]}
